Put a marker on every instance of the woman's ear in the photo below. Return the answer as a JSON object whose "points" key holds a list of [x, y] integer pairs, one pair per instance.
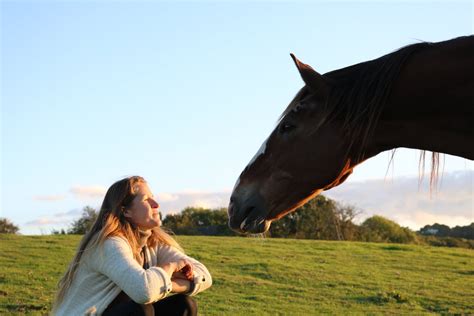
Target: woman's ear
{"points": [[127, 213]]}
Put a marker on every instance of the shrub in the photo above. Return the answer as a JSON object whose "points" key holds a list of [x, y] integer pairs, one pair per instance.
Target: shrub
{"points": [[381, 229], [7, 227], [84, 224]]}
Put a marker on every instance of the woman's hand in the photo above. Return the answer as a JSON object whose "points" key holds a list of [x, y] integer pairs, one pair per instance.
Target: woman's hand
{"points": [[186, 273], [181, 268], [180, 285], [172, 267]]}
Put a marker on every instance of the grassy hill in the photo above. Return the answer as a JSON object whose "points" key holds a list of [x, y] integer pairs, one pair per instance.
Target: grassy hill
{"points": [[254, 276]]}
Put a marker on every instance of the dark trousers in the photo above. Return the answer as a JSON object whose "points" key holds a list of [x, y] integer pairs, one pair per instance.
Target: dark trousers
{"points": [[174, 305]]}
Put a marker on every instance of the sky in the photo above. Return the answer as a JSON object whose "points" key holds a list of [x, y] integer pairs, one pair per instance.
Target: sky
{"points": [[184, 93]]}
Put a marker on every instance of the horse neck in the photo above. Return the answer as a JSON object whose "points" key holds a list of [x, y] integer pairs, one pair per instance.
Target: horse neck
{"points": [[431, 103]]}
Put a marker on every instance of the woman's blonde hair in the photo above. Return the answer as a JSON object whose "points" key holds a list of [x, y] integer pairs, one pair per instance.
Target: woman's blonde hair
{"points": [[112, 222]]}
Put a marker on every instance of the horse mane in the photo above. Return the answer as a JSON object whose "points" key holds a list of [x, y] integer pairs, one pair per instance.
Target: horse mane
{"points": [[357, 97]]}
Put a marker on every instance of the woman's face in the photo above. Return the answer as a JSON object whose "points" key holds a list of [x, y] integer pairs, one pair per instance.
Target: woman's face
{"points": [[143, 211]]}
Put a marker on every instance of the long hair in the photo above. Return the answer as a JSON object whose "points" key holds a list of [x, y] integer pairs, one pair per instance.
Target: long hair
{"points": [[111, 222]]}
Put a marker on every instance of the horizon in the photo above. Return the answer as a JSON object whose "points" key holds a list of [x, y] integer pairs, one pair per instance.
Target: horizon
{"points": [[417, 198]]}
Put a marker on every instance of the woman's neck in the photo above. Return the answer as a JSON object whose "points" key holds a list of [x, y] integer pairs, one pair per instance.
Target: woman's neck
{"points": [[143, 237]]}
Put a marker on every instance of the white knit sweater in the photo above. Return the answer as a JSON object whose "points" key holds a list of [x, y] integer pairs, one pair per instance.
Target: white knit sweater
{"points": [[104, 272]]}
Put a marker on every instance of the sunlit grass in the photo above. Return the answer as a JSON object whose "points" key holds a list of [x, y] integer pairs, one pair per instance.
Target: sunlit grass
{"points": [[256, 276]]}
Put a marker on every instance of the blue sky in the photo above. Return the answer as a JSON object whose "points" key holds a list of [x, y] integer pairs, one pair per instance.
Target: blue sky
{"points": [[183, 93]]}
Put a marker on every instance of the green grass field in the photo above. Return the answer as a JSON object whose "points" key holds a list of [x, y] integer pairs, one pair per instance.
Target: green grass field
{"points": [[254, 276]]}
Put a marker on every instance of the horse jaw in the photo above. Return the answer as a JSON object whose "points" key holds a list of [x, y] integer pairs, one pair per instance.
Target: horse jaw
{"points": [[345, 173], [294, 207]]}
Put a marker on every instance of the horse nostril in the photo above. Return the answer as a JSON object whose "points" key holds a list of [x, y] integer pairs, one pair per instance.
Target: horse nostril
{"points": [[231, 209], [247, 212], [233, 205]]}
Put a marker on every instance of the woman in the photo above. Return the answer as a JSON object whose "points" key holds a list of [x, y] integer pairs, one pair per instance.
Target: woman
{"points": [[127, 265]]}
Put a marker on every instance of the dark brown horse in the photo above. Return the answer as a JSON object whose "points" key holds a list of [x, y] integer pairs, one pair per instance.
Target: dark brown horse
{"points": [[421, 96]]}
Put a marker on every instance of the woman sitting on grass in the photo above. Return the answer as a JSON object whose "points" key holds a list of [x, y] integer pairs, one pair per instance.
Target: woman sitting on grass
{"points": [[127, 265]]}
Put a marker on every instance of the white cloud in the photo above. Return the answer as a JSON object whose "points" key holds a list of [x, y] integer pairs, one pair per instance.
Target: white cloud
{"points": [[72, 213], [49, 197], [167, 197], [410, 204], [88, 192], [61, 218], [179, 201], [47, 221], [170, 203], [419, 219], [400, 199]]}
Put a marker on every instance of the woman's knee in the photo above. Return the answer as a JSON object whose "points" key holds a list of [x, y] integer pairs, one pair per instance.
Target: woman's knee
{"points": [[178, 304], [189, 302]]}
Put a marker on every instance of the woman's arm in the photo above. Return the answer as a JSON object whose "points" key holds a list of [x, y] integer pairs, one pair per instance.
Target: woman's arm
{"points": [[115, 260], [202, 278], [180, 285]]}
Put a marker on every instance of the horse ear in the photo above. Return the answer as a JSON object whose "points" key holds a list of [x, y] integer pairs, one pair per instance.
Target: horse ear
{"points": [[313, 79]]}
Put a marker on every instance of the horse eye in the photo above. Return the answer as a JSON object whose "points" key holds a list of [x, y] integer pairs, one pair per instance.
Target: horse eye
{"points": [[299, 107], [285, 128]]}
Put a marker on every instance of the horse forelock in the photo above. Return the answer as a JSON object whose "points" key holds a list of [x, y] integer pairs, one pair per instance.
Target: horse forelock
{"points": [[293, 104]]}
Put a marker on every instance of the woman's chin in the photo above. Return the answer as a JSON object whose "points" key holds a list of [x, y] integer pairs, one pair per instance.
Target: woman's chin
{"points": [[150, 224], [155, 222]]}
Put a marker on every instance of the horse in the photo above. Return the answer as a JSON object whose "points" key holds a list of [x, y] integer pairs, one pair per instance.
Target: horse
{"points": [[420, 96]]}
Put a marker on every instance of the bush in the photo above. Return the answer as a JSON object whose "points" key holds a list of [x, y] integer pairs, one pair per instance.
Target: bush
{"points": [[447, 242], [320, 218], [84, 224], [199, 221], [7, 227], [381, 229]]}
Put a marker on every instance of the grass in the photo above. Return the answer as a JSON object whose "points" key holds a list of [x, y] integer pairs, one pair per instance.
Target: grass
{"points": [[254, 276]]}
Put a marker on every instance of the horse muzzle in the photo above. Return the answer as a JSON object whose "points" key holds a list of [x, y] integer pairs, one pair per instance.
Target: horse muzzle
{"points": [[247, 213]]}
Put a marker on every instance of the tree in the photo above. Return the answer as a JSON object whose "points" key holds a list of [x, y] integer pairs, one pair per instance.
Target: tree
{"points": [[466, 232], [345, 215], [83, 224], [436, 229], [199, 221], [320, 218], [381, 229], [7, 227], [440, 230]]}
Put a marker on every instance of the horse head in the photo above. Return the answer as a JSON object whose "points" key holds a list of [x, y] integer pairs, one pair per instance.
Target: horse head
{"points": [[305, 154], [419, 96]]}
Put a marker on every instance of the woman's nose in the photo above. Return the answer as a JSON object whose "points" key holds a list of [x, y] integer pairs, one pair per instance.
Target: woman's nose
{"points": [[154, 204]]}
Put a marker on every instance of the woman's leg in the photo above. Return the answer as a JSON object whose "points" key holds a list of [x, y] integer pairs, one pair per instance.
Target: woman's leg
{"points": [[176, 305], [124, 309], [122, 305]]}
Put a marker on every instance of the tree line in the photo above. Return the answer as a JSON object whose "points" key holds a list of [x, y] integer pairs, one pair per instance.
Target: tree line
{"points": [[320, 218], [440, 230]]}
